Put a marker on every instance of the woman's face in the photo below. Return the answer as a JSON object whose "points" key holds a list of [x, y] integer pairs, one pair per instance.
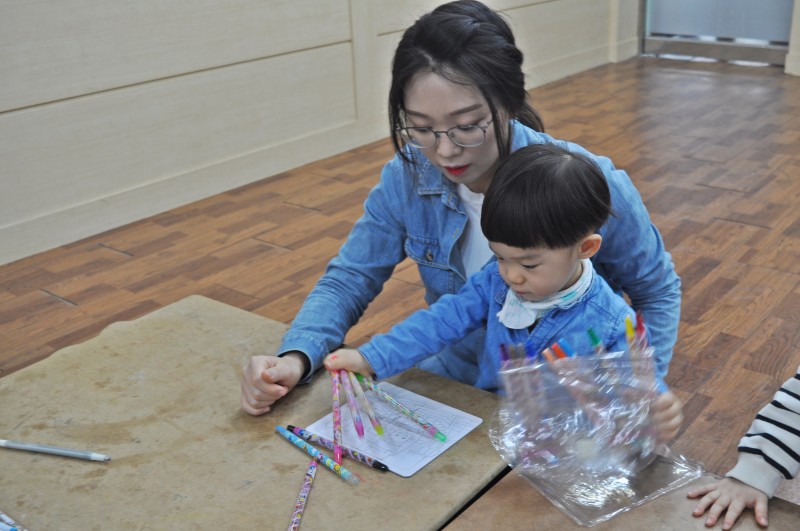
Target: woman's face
{"points": [[433, 101]]}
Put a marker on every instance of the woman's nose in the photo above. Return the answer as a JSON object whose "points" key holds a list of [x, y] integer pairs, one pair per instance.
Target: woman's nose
{"points": [[446, 148]]}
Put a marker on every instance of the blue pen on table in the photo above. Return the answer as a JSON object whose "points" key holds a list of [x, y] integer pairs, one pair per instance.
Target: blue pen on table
{"points": [[335, 467], [327, 443]]}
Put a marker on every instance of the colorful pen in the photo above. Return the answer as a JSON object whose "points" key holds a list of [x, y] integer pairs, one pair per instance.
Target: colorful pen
{"points": [[337, 419], [548, 354], [341, 471], [504, 357], [630, 335], [555, 347], [597, 345], [566, 348], [365, 405], [327, 443], [430, 428], [302, 497], [351, 402]]}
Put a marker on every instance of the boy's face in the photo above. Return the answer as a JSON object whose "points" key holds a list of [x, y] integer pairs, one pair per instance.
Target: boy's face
{"points": [[537, 272]]}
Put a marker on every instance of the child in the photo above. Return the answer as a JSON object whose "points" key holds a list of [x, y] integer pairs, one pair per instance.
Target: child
{"points": [[769, 452], [540, 214]]}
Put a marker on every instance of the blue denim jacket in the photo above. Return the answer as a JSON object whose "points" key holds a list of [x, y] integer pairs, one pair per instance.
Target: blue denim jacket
{"points": [[452, 317], [415, 211]]}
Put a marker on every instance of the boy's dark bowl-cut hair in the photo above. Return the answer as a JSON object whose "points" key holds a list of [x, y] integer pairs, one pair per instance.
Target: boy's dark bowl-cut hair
{"points": [[545, 196]]}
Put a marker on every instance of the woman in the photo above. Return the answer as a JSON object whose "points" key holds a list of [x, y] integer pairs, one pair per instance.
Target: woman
{"points": [[458, 106]]}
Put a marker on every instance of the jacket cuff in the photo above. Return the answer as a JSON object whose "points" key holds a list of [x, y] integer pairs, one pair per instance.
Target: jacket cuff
{"points": [[757, 473], [374, 358], [313, 350]]}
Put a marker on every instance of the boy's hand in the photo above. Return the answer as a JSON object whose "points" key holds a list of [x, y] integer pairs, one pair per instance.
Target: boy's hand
{"points": [[730, 494], [348, 359], [265, 379], [667, 416]]}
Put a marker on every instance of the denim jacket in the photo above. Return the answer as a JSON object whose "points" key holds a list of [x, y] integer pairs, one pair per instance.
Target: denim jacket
{"points": [[452, 317], [414, 211]]}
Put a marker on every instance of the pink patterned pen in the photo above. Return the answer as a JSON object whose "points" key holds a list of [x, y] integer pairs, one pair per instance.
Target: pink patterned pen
{"points": [[351, 402], [427, 426], [337, 419], [302, 498]]}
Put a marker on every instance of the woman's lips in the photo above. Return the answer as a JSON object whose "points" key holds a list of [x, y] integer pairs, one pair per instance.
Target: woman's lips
{"points": [[456, 170]]}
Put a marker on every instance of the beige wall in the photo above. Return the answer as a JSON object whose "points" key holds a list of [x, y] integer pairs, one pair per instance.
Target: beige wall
{"points": [[792, 65], [114, 111]]}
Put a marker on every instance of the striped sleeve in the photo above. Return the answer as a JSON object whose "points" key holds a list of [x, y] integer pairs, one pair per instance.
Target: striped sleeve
{"points": [[770, 451]]}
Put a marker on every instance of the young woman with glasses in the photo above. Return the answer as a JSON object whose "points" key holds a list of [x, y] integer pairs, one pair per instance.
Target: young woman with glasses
{"points": [[457, 107]]}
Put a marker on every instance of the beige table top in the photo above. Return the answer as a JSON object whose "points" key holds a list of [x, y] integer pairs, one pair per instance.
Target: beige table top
{"points": [[160, 395], [513, 503]]}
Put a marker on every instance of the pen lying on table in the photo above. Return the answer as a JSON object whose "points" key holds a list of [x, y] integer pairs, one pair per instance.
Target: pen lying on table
{"points": [[335, 467], [53, 450], [327, 443]]}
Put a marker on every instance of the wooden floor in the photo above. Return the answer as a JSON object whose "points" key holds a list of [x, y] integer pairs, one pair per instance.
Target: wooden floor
{"points": [[713, 148]]}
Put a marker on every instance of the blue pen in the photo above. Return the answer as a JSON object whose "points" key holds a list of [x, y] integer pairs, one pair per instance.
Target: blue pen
{"points": [[530, 354], [566, 347]]}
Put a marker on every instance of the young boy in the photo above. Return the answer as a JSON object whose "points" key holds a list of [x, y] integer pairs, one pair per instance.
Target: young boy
{"points": [[769, 452], [540, 214]]}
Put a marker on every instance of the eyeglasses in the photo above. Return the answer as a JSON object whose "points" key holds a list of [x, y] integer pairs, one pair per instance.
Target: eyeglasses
{"points": [[461, 135]]}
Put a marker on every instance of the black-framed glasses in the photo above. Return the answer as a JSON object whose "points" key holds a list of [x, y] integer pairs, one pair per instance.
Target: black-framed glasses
{"points": [[461, 135]]}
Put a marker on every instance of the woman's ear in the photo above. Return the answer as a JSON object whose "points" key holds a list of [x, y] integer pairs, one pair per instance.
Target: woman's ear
{"points": [[589, 246]]}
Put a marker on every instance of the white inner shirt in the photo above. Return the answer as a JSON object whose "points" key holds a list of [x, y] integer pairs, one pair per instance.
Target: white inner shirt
{"points": [[473, 245]]}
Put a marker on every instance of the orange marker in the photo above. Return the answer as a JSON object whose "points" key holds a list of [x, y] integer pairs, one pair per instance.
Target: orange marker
{"points": [[558, 350]]}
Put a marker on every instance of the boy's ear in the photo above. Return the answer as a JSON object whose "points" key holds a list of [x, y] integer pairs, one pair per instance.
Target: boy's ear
{"points": [[590, 245]]}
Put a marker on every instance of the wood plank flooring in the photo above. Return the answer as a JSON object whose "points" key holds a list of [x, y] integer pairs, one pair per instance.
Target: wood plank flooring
{"points": [[713, 148]]}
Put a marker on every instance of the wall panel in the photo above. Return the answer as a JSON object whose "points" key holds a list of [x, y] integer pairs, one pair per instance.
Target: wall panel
{"points": [[114, 111], [60, 49]]}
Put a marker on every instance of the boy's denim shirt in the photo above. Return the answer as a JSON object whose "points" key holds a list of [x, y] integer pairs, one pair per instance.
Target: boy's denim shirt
{"points": [[475, 306], [414, 211]]}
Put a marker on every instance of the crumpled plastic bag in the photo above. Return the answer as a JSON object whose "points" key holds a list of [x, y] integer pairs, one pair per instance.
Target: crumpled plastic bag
{"points": [[578, 428]]}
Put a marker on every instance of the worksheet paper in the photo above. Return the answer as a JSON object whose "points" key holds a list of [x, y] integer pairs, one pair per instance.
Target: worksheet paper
{"points": [[404, 446]]}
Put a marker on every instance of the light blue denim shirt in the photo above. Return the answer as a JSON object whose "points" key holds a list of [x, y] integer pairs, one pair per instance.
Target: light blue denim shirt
{"points": [[415, 211], [475, 306]]}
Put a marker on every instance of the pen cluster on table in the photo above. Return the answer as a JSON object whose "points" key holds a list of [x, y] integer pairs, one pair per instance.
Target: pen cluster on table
{"points": [[566, 414], [353, 385]]}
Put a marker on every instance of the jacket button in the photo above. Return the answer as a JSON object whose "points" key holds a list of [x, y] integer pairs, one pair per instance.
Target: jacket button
{"points": [[429, 256]]}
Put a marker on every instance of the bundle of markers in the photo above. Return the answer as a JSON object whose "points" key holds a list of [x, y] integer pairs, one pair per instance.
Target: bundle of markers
{"points": [[353, 385], [567, 415]]}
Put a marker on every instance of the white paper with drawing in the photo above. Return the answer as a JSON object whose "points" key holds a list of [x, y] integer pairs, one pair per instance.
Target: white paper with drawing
{"points": [[404, 446]]}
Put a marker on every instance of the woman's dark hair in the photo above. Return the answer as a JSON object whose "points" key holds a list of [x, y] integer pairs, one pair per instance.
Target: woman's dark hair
{"points": [[545, 196], [467, 43]]}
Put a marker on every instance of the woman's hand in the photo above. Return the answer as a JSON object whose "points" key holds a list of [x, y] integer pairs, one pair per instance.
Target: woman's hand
{"points": [[265, 379]]}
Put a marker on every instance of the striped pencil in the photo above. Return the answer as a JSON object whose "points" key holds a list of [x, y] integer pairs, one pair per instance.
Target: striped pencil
{"points": [[365, 405], [427, 426], [337, 419]]}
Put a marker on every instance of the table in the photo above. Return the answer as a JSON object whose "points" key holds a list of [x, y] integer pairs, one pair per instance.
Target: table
{"points": [[160, 395], [513, 503]]}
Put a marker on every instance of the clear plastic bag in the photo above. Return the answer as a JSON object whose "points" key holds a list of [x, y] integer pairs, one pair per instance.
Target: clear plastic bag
{"points": [[579, 429]]}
